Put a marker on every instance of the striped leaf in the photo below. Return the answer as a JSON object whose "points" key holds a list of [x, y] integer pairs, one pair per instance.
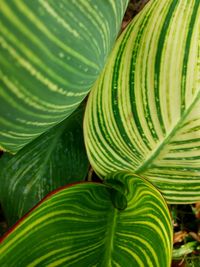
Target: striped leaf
{"points": [[51, 53], [81, 225], [54, 159], [143, 114]]}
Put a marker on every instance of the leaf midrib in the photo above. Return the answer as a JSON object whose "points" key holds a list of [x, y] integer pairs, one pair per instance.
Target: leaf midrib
{"points": [[111, 228], [147, 163]]}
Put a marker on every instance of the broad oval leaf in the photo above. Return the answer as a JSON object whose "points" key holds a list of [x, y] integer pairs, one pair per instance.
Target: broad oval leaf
{"points": [[80, 226], [144, 113], [54, 159], [51, 53]]}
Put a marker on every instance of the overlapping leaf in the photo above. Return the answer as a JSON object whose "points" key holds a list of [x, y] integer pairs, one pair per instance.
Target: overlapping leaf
{"points": [[54, 159], [144, 113], [82, 226], [51, 53]]}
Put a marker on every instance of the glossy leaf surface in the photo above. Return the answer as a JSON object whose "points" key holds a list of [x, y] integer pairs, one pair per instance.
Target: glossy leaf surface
{"points": [[54, 159], [144, 113], [80, 226], [51, 53]]}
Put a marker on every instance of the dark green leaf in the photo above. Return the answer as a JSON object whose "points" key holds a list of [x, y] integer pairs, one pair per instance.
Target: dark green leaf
{"points": [[51, 53], [54, 159]]}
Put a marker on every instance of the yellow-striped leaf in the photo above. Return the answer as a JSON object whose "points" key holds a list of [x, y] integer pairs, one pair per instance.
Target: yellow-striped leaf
{"points": [[51, 53], [144, 113], [82, 226], [54, 159]]}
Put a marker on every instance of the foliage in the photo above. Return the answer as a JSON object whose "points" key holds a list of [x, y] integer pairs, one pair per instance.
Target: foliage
{"points": [[95, 231], [143, 113], [60, 49], [52, 160], [141, 130], [186, 235]]}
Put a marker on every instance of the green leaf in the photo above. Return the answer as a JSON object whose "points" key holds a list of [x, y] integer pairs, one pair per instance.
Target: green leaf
{"points": [[50, 55], [54, 159], [4, 158], [79, 226], [143, 114], [184, 250]]}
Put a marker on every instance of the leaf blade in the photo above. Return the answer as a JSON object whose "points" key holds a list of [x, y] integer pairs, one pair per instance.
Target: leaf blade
{"points": [[50, 57], [88, 225], [53, 160], [145, 117]]}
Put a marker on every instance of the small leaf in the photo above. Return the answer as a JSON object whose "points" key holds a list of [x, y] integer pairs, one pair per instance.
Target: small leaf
{"points": [[179, 236], [184, 250]]}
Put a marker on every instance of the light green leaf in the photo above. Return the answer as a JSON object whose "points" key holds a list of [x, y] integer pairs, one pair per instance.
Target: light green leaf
{"points": [[54, 159], [51, 53], [180, 253], [144, 113], [80, 226]]}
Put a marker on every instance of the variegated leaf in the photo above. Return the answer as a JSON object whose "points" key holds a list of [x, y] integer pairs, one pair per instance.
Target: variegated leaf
{"points": [[83, 225], [144, 113], [51, 53], [54, 159]]}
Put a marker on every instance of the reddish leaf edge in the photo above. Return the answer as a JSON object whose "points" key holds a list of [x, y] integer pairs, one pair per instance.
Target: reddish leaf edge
{"points": [[12, 228]]}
